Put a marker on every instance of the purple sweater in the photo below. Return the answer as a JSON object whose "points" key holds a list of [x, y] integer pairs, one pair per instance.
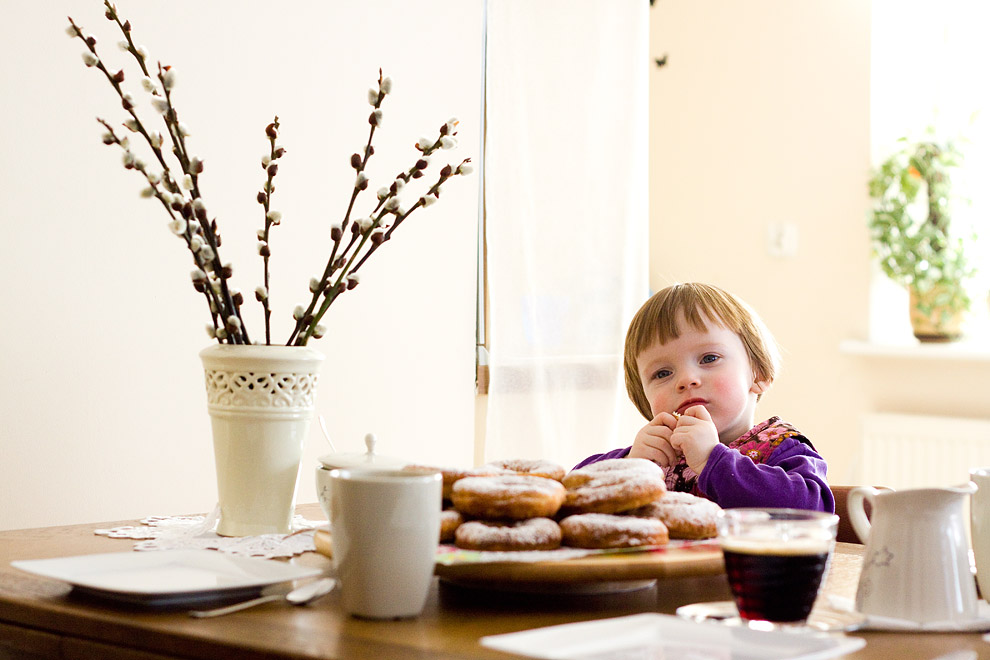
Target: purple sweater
{"points": [[771, 465]]}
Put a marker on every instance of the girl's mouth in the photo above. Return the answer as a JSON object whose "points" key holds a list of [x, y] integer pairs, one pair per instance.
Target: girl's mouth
{"points": [[687, 404]]}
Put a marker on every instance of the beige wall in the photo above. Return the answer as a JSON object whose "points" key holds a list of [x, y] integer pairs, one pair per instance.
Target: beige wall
{"points": [[762, 116]]}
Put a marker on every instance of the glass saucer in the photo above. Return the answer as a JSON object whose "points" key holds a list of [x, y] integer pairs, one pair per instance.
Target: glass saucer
{"points": [[822, 619]]}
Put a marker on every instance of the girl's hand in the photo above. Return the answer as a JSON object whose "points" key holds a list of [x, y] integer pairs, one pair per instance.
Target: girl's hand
{"points": [[653, 441], [694, 436]]}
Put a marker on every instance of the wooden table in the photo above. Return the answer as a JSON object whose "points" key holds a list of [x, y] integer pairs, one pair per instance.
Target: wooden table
{"points": [[40, 618]]}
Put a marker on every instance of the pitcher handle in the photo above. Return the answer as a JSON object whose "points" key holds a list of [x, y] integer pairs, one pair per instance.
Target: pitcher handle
{"points": [[857, 512]]}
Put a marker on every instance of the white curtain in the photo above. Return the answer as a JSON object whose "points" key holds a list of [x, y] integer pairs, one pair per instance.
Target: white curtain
{"points": [[566, 220]]}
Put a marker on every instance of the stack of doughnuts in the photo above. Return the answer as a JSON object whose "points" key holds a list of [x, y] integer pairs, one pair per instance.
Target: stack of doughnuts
{"points": [[535, 505], [511, 509], [616, 503]]}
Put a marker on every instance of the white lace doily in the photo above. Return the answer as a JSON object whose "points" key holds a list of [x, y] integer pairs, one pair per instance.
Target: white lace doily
{"points": [[198, 532]]}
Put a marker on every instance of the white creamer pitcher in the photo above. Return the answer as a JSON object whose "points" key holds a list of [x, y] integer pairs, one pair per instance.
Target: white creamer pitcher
{"points": [[916, 565]]}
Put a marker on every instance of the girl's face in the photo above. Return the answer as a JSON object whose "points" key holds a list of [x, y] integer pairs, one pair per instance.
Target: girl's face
{"points": [[708, 368]]}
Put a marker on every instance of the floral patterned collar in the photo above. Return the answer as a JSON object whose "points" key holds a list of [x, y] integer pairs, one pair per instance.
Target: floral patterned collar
{"points": [[758, 444]]}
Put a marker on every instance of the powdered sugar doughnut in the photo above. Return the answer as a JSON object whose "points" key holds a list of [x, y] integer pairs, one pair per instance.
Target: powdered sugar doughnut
{"points": [[453, 475], [603, 530], [507, 496], [450, 520], [536, 468], [529, 534], [613, 485], [686, 516]]}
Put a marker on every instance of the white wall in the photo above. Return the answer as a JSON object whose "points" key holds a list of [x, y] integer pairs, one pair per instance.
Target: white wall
{"points": [[103, 412]]}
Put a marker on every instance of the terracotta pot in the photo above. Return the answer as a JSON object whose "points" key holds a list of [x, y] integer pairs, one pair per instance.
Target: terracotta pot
{"points": [[931, 321]]}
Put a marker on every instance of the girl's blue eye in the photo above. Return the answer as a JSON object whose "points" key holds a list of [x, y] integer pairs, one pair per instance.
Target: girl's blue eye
{"points": [[663, 373], [708, 359]]}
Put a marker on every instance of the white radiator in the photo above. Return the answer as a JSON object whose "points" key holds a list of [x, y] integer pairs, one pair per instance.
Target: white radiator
{"points": [[915, 451]]}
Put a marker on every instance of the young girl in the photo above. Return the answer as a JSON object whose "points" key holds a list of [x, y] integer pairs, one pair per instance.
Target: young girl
{"points": [[697, 360]]}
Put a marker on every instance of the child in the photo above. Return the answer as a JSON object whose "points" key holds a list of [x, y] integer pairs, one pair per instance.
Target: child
{"points": [[697, 360]]}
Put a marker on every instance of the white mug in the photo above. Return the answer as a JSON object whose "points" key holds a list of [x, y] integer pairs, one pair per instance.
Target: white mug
{"points": [[916, 566], [384, 531], [980, 528]]}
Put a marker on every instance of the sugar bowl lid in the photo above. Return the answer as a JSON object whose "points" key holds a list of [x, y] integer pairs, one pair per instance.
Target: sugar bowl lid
{"points": [[366, 461]]}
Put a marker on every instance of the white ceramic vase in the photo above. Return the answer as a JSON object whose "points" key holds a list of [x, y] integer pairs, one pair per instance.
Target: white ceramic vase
{"points": [[261, 400]]}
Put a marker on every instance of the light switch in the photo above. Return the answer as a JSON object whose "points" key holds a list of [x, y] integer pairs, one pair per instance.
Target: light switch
{"points": [[782, 239]]}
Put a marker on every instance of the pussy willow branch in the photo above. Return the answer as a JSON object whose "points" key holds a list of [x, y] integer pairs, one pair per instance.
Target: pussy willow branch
{"points": [[115, 81], [186, 234], [134, 51], [227, 305], [349, 268], [230, 308], [307, 320], [265, 197], [224, 304], [182, 199]]}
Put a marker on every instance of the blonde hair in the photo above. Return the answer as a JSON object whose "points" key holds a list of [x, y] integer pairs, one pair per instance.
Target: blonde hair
{"points": [[656, 321]]}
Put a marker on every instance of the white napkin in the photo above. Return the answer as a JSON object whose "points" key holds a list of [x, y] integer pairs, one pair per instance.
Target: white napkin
{"points": [[669, 637], [874, 622]]}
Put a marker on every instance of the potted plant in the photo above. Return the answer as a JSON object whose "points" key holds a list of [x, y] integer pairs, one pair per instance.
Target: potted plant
{"points": [[910, 226]]}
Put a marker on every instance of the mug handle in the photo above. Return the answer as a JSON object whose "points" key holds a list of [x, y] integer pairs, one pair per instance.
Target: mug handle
{"points": [[857, 514]]}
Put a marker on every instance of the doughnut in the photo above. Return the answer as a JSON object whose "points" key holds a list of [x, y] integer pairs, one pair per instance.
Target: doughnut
{"points": [[604, 530], [450, 520], [535, 468], [686, 516], [529, 534], [452, 475], [613, 486], [509, 496]]}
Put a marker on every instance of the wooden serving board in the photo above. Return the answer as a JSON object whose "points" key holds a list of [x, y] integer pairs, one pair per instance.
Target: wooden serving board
{"points": [[649, 565], [673, 561]]}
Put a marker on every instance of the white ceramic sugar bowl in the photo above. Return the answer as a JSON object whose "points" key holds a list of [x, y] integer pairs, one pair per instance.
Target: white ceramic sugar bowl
{"points": [[369, 460]]}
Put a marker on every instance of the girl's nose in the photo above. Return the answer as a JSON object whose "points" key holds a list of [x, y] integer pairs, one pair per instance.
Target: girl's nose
{"points": [[687, 380]]}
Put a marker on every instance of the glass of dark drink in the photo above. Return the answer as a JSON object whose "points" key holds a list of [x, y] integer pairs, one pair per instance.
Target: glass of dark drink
{"points": [[776, 560]]}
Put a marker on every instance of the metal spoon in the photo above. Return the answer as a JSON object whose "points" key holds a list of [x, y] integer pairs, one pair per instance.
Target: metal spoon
{"points": [[298, 596]]}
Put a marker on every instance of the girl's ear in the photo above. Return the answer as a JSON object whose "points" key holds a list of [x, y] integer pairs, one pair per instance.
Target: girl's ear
{"points": [[759, 386]]}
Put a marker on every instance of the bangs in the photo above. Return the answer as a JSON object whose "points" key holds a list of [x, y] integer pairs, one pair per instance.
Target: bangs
{"points": [[701, 306]]}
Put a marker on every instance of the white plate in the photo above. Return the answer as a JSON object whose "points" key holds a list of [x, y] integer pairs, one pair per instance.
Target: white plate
{"points": [[668, 637], [167, 577]]}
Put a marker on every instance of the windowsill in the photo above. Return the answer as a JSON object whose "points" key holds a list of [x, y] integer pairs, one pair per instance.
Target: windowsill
{"points": [[965, 349]]}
